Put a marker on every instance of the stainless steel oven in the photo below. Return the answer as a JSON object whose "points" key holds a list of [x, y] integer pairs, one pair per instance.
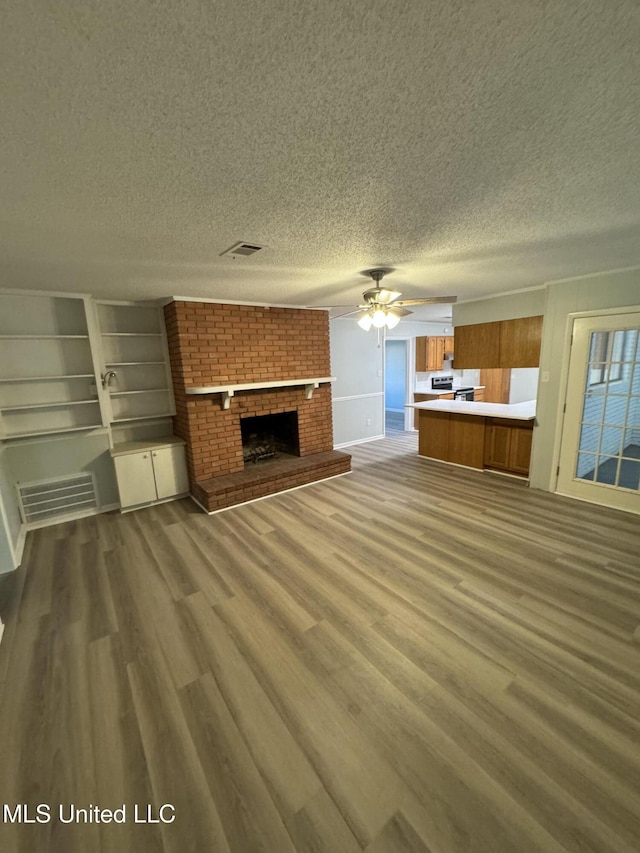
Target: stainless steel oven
{"points": [[463, 394]]}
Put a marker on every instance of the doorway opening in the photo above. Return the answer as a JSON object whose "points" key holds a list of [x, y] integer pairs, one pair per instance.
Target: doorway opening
{"points": [[396, 384]]}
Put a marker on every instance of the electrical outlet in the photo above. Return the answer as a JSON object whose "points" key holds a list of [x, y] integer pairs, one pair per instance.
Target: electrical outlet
{"points": [[369, 422], [545, 376]]}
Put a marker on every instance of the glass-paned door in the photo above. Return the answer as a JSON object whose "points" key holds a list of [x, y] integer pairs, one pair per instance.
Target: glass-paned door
{"points": [[600, 456]]}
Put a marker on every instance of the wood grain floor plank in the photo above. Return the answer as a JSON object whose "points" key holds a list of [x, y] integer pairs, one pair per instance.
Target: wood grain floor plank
{"points": [[460, 676], [280, 759]]}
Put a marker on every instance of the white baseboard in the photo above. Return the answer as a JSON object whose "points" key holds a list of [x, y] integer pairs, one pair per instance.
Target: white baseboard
{"points": [[358, 441]]}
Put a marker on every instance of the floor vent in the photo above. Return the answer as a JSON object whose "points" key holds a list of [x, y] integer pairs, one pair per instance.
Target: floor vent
{"points": [[50, 499], [242, 249]]}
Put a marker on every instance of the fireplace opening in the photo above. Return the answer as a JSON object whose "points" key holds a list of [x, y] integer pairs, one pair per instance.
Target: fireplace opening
{"points": [[267, 436]]}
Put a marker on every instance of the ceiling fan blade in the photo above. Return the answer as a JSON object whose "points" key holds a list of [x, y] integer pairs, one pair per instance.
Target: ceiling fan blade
{"points": [[398, 311], [348, 313], [384, 296], [427, 300]]}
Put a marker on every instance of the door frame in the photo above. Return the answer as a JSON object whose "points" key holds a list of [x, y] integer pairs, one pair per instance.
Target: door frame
{"points": [[564, 382], [408, 374]]}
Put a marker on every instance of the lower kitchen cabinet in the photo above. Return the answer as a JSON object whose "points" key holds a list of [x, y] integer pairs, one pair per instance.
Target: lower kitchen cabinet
{"points": [[507, 445], [476, 441], [151, 471], [451, 438]]}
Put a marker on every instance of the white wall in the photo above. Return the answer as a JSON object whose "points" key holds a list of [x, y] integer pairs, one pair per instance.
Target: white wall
{"points": [[357, 363], [10, 522], [358, 397], [524, 384], [589, 293], [62, 456]]}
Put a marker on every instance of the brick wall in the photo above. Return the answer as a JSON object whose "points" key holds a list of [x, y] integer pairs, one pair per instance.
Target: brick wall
{"points": [[210, 344]]}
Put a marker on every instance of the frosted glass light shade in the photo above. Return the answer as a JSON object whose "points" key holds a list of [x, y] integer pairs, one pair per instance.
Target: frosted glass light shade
{"points": [[379, 318], [365, 322], [392, 320]]}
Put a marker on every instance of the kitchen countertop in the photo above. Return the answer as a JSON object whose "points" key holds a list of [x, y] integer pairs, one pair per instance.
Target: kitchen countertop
{"points": [[515, 411], [436, 392]]}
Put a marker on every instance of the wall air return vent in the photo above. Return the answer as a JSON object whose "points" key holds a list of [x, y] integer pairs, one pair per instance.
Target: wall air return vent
{"points": [[47, 500], [243, 249]]}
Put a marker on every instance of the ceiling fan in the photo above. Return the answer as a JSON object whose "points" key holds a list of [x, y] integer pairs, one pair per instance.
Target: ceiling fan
{"points": [[382, 307]]}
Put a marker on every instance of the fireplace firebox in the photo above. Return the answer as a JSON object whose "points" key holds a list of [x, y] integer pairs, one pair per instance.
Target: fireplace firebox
{"points": [[268, 436]]}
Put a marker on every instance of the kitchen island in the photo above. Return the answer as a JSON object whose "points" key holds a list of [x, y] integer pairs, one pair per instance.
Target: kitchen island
{"points": [[496, 436]]}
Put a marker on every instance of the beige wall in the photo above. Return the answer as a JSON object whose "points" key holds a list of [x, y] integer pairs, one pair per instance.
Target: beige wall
{"points": [[589, 293], [527, 303]]}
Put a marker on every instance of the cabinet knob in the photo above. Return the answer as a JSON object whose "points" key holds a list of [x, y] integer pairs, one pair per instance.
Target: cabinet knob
{"points": [[145, 455], [154, 454]]}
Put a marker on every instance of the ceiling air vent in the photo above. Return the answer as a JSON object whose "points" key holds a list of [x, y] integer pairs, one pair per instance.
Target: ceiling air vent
{"points": [[242, 248]]}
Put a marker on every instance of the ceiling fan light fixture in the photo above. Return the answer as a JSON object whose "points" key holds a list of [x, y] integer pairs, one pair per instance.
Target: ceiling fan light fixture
{"points": [[365, 322], [379, 318], [392, 320]]}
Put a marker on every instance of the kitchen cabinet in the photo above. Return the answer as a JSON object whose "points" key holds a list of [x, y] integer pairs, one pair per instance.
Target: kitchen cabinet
{"points": [[148, 472], [452, 437], [431, 352], [504, 344], [497, 384], [508, 445], [520, 342]]}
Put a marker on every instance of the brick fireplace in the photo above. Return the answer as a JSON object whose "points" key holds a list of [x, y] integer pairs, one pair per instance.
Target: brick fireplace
{"points": [[221, 345]]}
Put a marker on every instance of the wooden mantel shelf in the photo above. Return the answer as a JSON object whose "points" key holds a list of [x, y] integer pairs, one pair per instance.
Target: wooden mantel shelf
{"points": [[229, 390]]}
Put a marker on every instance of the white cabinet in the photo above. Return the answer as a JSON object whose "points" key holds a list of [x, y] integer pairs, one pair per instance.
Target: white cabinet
{"points": [[150, 471]]}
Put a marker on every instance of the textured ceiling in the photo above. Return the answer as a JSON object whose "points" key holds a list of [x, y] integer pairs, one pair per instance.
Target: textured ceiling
{"points": [[477, 147]]}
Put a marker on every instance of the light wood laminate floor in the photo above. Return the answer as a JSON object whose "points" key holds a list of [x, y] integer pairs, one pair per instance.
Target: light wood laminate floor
{"points": [[414, 657]]}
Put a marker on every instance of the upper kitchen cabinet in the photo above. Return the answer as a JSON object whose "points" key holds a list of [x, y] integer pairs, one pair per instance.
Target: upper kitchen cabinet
{"points": [[520, 342], [431, 352], [477, 346], [505, 343]]}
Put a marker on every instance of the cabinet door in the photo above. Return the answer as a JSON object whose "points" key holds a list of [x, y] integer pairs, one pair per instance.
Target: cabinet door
{"points": [[136, 483], [466, 440], [497, 447], [448, 346], [477, 346], [432, 355], [520, 342], [421, 354], [520, 451], [433, 437], [170, 471]]}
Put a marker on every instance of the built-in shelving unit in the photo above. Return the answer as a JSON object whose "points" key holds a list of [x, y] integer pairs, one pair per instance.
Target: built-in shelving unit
{"points": [[134, 347], [47, 380]]}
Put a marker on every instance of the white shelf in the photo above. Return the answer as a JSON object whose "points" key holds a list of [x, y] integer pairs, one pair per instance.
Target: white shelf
{"points": [[44, 337], [143, 418], [141, 391], [58, 405], [37, 432], [228, 390], [131, 363], [61, 376]]}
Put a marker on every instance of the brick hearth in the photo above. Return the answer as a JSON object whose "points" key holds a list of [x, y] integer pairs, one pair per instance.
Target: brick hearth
{"points": [[214, 344]]}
